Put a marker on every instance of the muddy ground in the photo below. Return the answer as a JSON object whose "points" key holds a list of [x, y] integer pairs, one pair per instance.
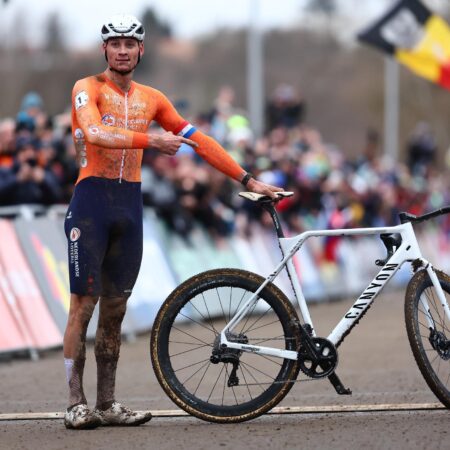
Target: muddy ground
{"points": [[375, 362]]}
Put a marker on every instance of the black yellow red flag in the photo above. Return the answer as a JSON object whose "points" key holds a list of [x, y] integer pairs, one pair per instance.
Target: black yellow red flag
{"points": [[416, 37]]}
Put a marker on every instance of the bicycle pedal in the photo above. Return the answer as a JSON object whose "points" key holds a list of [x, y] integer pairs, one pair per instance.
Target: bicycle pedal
{"points": [[337, 384]]}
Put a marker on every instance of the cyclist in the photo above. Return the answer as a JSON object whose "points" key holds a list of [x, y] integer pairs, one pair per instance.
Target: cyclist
{"points": [[110, 118]]}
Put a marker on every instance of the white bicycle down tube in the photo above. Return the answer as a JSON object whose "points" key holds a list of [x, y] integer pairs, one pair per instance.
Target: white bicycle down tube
{"points": [[364, 301]]}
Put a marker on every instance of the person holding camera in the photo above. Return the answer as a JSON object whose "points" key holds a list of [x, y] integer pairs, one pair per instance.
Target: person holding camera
{"points": [[28, 181]]}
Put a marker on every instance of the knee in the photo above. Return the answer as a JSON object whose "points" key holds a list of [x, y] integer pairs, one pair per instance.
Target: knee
{"points": [[113, 307], [81, 309]]}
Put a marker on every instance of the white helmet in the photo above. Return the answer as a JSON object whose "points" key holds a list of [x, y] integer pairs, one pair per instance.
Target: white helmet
{"points": [[123, 25]]}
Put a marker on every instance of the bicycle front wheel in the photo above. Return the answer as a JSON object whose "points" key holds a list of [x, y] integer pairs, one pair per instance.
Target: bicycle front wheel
{"points": [[224, 385], [429, 332]]}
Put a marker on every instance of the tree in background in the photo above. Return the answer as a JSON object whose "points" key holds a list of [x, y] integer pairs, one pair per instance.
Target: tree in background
{"points": [[326, 7], [155, 30], [55, 39]]}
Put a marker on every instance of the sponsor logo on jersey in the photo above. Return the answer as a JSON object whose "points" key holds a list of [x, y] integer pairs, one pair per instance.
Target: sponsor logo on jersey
{"points": [[93, 130], [109, 120], [69, 215], [75, 234], [74, 258], [81, 100]]}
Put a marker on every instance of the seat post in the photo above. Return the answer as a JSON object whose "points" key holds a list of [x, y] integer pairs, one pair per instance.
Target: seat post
{"points": [[269, 207]]}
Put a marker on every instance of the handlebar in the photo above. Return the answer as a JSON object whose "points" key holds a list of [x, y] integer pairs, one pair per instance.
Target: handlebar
{"points": [[407, 217]]}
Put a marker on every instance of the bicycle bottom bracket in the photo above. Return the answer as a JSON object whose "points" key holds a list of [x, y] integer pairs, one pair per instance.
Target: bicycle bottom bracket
{"points": [[321, 362]]}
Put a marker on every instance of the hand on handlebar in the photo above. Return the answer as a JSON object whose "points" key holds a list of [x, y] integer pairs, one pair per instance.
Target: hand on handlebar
{"points": [[259, 187]]}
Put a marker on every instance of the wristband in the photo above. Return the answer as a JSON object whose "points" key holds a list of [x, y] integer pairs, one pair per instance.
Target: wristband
{"points": [[246, 178]]}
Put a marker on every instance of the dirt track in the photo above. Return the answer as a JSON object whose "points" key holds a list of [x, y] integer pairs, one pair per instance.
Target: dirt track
{"points": [[375, 362]]}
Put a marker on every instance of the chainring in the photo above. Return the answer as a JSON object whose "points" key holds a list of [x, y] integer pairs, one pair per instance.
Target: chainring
{"points": [[324, 364]]}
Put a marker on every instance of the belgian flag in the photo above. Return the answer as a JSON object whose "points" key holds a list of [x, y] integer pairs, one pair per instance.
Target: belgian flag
{"points": [[415, 37]]}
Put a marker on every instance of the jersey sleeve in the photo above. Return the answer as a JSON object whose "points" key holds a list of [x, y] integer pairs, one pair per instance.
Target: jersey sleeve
{"points": [[209, 150], [84, 104]]}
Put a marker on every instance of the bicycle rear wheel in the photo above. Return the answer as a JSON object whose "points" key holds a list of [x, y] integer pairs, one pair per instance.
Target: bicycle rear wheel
{"points": [[429, 331], [233, 386]]}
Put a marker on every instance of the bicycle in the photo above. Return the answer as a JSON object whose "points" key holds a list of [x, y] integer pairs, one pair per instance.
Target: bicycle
{"points": [[207, 339]]}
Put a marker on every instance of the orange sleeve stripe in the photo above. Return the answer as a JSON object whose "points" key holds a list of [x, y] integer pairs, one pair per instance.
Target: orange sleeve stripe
{"points": [[216, 155]]}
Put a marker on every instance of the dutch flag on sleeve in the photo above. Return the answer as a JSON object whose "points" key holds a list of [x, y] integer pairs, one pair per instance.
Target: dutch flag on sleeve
{"points": [[185, 130]]}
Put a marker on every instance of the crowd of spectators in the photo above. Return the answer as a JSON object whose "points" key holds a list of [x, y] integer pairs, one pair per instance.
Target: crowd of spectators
{"points": [[38, 166], [37, 156]]}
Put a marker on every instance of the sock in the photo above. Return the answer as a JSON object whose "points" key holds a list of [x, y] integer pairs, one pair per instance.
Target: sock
{"points": [[68, 363]]}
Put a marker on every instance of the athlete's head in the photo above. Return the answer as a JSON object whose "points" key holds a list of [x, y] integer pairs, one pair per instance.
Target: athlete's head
{"points": [[123, 42]]}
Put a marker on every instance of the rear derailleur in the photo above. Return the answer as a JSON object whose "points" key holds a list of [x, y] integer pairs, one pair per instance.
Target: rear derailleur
{"points": [[229, 355]]}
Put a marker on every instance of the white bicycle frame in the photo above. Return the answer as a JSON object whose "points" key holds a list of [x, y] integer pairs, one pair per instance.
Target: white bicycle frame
{"points": [[408, 251]]}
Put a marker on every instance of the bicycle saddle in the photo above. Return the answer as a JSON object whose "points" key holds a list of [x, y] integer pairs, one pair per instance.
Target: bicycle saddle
{"points": [[258, 197]]}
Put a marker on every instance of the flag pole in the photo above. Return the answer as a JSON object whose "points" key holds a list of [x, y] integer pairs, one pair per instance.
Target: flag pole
{"points": [[391, 108], [255, 71]]}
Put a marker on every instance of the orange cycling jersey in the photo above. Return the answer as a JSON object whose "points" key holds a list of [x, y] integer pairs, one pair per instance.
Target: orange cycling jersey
{"points": [[109, 129]]}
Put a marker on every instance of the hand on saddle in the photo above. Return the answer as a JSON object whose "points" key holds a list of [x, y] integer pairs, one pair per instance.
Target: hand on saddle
{"points": [[259, 187]]}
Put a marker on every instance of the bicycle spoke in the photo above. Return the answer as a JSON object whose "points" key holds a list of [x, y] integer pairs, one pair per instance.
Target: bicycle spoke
{"points": [[195, 373], [246, 384], [187, 351], [257, 383], [229, 306], [247, 330], [276, 362], [209, 315], [232, 388], [221, 306], [199, 323], [258, 341], [215, 384], [188, 343], [239, 304], [191, 365], [249, 313], [206, 319], [201, 379], [262, 326], [260, 371], [193, 337]]}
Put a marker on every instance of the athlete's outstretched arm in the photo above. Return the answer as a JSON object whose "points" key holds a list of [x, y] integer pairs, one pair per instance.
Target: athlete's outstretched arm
{"points": [[208, 148]]}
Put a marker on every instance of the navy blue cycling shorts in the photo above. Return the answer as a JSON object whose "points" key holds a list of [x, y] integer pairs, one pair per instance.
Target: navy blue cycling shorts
{"points": [[103, 226]]}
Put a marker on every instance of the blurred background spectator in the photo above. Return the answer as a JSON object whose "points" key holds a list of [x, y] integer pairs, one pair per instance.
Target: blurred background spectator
{"points": [[38, 165], [422, 149]]}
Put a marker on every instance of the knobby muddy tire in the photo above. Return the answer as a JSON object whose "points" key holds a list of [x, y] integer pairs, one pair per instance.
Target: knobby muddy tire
{"points": [[202, 284], [434, 368]]}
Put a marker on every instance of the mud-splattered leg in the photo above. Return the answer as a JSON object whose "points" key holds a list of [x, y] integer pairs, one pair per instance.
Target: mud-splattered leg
{"points": [[107, 348], [80, 313]]}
